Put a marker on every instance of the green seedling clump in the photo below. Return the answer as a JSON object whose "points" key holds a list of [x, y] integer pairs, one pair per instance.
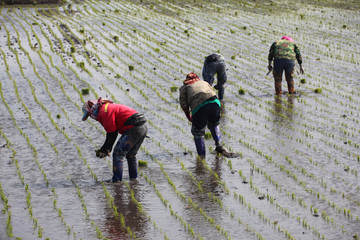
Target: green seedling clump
{"points": [[142, 163], [131, 67], [116, 38], [317, 90], [82, 65], [173, 89], [241, 91], [208, 135], [72, 49], [233, 57], [58, 116], [303, 80], [85, 91]]}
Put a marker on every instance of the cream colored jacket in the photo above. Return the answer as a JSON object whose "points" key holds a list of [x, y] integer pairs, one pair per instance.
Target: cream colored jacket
{"points": [[191, 95]]}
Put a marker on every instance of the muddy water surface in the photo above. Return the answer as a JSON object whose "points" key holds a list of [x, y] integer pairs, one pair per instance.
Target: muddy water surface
{"points": [[296, 176]]}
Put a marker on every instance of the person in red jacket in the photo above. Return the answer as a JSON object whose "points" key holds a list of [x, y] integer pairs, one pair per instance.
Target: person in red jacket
{"points": [[118, 118]]}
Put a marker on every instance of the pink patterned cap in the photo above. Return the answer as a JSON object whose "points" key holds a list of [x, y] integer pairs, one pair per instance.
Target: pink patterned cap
{"points": [[287, 38]]}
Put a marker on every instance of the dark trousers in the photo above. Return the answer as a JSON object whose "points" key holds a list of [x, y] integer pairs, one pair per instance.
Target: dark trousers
{"points": [[127, 146]]}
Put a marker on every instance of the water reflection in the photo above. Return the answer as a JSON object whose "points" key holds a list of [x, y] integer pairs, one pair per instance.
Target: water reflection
{"points": [[210, 182], [222, 113], [284, 109], [134, 219]]}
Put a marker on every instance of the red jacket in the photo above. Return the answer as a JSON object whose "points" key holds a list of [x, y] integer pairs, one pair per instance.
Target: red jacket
{"points": [[113, 116]]}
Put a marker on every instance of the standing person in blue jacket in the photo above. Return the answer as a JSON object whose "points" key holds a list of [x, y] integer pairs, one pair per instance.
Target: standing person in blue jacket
{"points": [[215, 64]]}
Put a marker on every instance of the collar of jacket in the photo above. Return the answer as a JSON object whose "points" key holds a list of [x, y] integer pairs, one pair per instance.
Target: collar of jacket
{"points": [[191, 81]]}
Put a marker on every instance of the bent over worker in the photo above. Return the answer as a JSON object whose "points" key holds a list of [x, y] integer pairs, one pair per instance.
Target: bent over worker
{"points": [[118, 118], [215, 64], [199, 97], [284, 52]]}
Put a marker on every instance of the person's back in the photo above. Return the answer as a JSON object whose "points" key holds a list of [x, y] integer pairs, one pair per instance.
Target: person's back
{"points": [[113, 117], [284, 49], [215, 64], [192, 94], [284, 53]]}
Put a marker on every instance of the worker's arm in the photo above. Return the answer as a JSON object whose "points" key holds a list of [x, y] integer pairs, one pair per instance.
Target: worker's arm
{"points": [[108, 144], [271, 56], [298, 58], [183, 102], [187, 113]]}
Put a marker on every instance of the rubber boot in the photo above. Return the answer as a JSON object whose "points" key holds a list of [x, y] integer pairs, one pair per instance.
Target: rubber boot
{"points": [[278, 88], [291, 87], [215, 132], [221, 91], [200, 146], [117, 171], [133, 169]]}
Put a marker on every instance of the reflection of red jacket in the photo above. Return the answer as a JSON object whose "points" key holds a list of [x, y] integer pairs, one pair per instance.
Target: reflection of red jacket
{"points": [[113, 116]]}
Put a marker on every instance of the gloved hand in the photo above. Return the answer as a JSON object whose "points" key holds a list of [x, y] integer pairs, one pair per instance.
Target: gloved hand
{"points": [[216, 87], [101, 154], [301, 70], [269, 68]]}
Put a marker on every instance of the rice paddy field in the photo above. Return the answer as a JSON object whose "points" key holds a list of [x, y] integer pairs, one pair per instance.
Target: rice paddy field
{"points": [[297, 174]]}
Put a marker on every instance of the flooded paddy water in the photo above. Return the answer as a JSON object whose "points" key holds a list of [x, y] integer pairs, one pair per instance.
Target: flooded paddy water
{"points": [[297, 174]]}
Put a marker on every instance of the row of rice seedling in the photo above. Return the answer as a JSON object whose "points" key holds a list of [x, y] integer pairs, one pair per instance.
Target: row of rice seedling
{"points": [[211, 197], [143, 74], [295, 178], [35, 223], [59, 211], [4, 199]]}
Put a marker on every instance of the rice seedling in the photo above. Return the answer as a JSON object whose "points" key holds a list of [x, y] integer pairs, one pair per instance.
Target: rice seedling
{"points": [[85, 91], [173, 89], [241, 91], [317, 90], [142, 163], [208, 135]]}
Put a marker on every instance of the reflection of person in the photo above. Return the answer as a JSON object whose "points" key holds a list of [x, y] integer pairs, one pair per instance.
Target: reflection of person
{"points": [[215, 64], [118, 118], [284, 52], [200, 97], [127, 198]]}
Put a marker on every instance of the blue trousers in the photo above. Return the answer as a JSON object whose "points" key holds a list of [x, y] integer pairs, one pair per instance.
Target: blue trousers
{"points": [[219, 68], [127, 146]]}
